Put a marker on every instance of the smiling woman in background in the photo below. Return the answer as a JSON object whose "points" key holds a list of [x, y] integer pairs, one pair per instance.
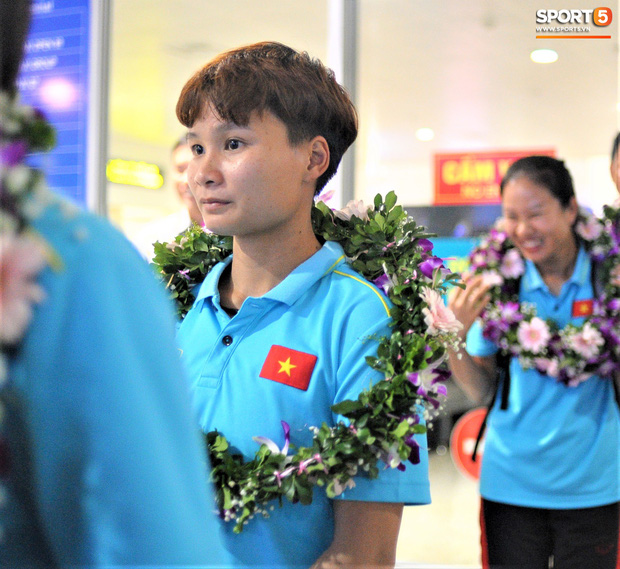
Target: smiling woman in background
{"points": [[550, 477]]}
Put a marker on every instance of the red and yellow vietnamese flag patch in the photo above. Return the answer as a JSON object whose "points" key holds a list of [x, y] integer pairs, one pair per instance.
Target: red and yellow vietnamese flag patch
{"points": [[582, 308], [289, 367]]}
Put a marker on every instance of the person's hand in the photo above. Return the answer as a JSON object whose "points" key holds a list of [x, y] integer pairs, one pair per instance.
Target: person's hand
{"points": [[468, 303]]}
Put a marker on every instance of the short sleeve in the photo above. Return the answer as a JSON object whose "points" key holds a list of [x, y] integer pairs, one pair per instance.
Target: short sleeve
{"points": [[410, 486]]}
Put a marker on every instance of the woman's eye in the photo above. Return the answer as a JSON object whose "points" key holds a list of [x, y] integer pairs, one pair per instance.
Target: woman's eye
{"points": [[197, 149], [233, 144]]}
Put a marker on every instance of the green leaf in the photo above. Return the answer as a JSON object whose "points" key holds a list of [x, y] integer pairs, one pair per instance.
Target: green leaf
{"points": [[390, 200]]}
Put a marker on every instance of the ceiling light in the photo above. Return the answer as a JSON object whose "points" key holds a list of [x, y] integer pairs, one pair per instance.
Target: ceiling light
{"points": [[544, 56], [425, 134]]}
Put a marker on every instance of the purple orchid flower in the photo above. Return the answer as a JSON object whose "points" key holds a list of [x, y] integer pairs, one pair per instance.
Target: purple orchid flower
{"points": [[425, 244], [614, 304], [184, 274], [273, 447], [384, 282], [414, 378], [510, 312], [429, 265], [13, 154], [414, 454]]}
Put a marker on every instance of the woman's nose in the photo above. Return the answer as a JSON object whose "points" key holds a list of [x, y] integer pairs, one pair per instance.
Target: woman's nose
{"points": [[205, 170], [522, 227]]}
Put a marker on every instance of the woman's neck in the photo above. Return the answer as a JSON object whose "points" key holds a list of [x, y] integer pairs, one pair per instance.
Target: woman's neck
{"points": [[257, 267], [556, 271]]}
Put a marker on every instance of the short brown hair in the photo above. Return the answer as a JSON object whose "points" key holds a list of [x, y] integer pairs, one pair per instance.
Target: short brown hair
{"points": [[269, 76]]}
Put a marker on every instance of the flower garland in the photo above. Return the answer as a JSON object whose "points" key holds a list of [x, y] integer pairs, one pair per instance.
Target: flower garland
{"points": [[571, 354], [23, 254], [388, 248]]}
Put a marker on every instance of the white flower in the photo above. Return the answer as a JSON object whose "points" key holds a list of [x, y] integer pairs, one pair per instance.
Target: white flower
{"points": [[437, 316], [587, 341], [534, 335], [339, 488], [17, 178], [512, 264], [353, 208]]}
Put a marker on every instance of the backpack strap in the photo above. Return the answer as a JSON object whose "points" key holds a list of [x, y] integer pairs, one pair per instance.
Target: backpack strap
{"points": [[501, 385]]}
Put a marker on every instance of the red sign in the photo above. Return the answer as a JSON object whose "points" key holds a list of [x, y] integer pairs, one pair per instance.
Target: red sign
{"points": [[463, 440], [473, 178]]}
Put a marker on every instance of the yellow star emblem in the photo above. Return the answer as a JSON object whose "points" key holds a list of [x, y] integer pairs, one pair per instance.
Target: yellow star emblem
{"points": [[286, 366]]}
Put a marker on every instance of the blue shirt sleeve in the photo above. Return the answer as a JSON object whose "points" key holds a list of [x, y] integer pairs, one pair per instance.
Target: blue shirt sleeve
{"points": [[119, 469], [412, 485]]}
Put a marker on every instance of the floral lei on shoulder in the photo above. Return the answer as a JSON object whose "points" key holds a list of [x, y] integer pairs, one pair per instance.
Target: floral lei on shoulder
{"points": [[574, 353], [389, 249], [23, 193]]}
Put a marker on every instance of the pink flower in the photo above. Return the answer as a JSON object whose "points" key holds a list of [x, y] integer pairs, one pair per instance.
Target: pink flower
{"points": [[437, 316], [491, 278], [512, 265], [353, 208], [534, 335], [21, 259], [615, 276], [587, 342], [553, 369], [590, 229], [325, 196], [549, 367]]}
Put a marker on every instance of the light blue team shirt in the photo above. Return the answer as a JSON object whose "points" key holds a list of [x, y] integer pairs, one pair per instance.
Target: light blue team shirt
{"points": [[118, 468], [555, 446], [324, 310]]}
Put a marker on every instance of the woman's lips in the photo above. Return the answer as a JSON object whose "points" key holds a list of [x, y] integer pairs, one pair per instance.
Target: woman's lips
{"points": [[214, 205]]}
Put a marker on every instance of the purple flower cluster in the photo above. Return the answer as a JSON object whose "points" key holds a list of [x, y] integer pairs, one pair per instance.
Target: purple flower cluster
{"points": [[575, 353]]}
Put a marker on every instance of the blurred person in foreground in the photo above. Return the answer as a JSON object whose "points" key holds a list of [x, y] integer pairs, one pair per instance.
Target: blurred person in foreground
{"points": [[100, 462], [550, 475], [167, 228]]}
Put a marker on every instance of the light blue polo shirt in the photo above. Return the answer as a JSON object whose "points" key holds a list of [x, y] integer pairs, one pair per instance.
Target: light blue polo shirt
{"points": [[555, 446], [323, 310], [118, 465]]}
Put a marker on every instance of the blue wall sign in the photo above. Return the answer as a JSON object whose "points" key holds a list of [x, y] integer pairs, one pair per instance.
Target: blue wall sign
{"points": [[56, 77]]}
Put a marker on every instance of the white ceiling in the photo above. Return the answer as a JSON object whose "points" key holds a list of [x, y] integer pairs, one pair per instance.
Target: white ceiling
{"points": [[461, 67]]}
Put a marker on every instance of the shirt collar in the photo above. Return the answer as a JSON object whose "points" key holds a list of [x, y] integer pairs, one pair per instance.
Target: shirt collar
{"points": [[325, 260], [532, 279]]}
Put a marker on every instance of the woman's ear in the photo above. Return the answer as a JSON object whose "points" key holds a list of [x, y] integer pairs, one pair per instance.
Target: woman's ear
{"points": [[573, 209], [318, 160]]}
